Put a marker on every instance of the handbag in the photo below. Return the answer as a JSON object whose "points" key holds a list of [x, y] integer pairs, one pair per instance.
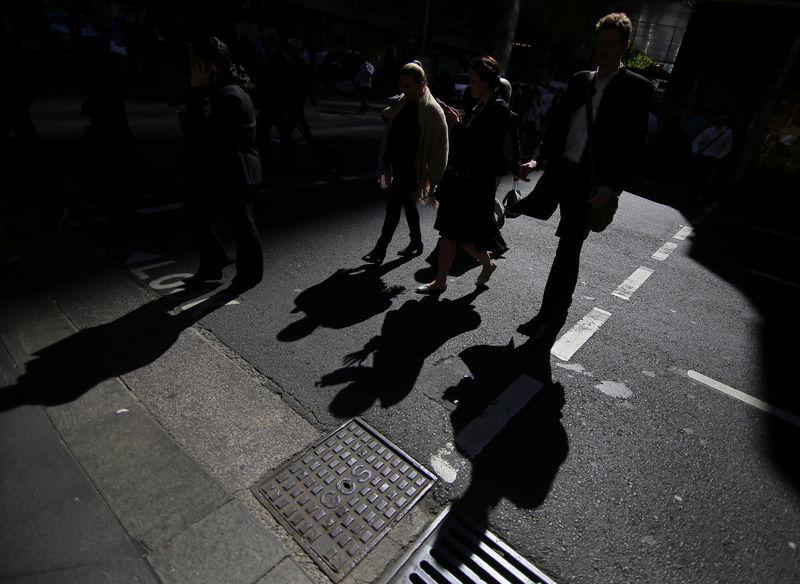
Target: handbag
{"points": [[601, 217], [512, 198]]}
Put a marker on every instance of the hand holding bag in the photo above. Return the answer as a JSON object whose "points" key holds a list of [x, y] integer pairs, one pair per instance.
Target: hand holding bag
{"points": [[542, 202], [502, 209]]}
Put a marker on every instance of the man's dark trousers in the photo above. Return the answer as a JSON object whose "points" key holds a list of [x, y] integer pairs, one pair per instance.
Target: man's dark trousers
{"points": [[575, 187], [238, 214], [401, 197]]}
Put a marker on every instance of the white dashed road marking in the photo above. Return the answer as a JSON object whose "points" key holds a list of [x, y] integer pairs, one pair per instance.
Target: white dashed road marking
{"points": [[775, 278], [683, 233], [629, 286], [746, 398], [574, 338], [664, 251], [441, 466], [480, 431]]}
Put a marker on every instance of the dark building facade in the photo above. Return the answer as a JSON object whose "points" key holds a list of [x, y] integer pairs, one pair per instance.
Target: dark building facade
{"points": [[740, 58]]}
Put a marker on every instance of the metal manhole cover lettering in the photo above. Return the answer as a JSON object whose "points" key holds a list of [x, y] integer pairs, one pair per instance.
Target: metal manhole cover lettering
{"points": [[340, 497]]}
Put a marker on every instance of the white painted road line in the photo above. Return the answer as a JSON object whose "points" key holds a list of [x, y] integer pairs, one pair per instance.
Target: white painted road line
{"points": [[198, 302], [480, 431], [445, 471], [629, 286], [683, 233], [775, 233], [775, 278], [664, 251], [574, 338], [746, 398]]}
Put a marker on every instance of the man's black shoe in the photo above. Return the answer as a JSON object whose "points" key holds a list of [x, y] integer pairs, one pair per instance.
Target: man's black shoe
{"points": [[541, 326], [375, 256], [412, 249]]}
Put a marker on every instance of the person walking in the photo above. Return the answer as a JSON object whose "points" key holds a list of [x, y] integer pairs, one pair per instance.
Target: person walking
{"points": [[223, 167], [708, 148], [618, 102], [466, 193], [272, 100], [108, 138], [298, 88], [364, 82], [413, 157]]}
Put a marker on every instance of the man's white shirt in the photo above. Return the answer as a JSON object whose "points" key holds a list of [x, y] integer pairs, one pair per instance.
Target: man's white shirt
{"points": [[578, 133]]}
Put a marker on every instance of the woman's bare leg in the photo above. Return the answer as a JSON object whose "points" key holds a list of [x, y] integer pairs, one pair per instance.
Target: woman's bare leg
{"points": [[485, 260], [447, 252]]}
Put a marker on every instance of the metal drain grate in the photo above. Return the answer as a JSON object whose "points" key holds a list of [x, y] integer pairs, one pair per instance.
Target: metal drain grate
{"points": [[341, 496], [456, 551]]}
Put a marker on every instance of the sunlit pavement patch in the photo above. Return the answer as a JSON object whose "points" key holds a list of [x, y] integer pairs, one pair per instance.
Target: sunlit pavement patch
{"points": [[341, 496]]}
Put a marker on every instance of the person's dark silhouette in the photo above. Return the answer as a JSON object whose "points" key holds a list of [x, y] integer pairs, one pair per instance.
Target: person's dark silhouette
{"points": [[298, 88], [343, 299], [522, 460], [23, 160], [108, 138], [65, 370], [272, 100], [223, 170], [408, 336]]}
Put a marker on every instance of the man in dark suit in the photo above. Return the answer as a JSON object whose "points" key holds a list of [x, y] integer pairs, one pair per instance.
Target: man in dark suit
{"points": [[578, 177]]}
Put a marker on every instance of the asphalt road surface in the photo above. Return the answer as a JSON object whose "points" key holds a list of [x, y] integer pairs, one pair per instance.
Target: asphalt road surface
{"points": [[674, 456]]}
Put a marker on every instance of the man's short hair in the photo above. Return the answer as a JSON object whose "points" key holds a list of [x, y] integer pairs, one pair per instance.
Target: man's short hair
{"points": [[618, 21], [415, 70]]}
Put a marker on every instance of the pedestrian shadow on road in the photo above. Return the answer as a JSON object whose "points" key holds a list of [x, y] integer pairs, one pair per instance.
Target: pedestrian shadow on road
{"points": [[65, 370], [408, 336], [345, 298], [520, 461]]}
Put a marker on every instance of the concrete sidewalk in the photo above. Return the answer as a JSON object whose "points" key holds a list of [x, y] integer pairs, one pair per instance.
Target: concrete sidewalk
{"points": [[128, 453]]}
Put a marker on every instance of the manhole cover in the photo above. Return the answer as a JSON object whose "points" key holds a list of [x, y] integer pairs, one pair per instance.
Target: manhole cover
{"points": [[341, 496]]}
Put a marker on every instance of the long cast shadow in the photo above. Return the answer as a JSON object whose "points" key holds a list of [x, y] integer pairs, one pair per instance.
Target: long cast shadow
{"points": [[345, 298], [65, 370], [409, 335], [521, 461]]}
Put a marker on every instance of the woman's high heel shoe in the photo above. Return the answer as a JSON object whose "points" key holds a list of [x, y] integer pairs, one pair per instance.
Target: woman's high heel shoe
{"points": [[428, 289]]}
